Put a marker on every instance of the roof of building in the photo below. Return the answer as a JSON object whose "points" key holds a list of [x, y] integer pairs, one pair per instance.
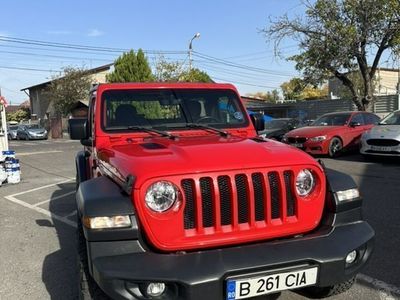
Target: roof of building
{"points": [[90, 71]]}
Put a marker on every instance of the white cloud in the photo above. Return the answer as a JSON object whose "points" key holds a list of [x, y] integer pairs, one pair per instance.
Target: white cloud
{"points": [[95, 32]]}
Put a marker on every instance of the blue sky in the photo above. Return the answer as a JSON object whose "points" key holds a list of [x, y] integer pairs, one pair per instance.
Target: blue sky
{"points": [[230, 30]]}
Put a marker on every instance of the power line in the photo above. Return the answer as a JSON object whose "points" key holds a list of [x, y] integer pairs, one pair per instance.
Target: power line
{"points": [[52, 56], [239, 66], [80, 47], [28, 69], [245, 83], [249, 74]]}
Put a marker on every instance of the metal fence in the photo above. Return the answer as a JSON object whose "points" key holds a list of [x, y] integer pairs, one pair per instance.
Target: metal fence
{"points": [[312, 109]]}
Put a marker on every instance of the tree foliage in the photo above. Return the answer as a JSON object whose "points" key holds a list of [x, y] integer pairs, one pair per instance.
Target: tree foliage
{"points": [[131, 67], [293, 88], [339, 37], [269, 96], [298, 89], [21, 114], [65, 90], [174, 71]]}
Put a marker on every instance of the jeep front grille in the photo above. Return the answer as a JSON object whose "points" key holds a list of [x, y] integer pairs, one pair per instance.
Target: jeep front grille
{"points": [[232, 207], [248, 197]]}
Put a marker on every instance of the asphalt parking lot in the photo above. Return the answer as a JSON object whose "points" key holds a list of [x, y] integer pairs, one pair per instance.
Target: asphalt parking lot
{"points": [[37, 221]]}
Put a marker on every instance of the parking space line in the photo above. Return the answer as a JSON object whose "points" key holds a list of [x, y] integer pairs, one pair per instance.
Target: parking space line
{"points": [[43, 187], [64, 220], [386, 289], [38, 152], [54, 198], [41, 210]]}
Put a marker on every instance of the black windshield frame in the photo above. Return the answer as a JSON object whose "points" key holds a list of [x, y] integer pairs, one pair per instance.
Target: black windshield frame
{"points": [[180, 97]]}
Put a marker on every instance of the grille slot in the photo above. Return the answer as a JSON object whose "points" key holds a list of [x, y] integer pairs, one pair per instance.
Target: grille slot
{"points": [[189, 211], [207, 201], [293, 140], [289, 193], [225, 194], [242, 195], [275, 195], [259, 196], [383, 142]]}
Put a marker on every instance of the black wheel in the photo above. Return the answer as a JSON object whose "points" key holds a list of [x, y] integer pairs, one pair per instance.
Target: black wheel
{"points": [[87, 288], [324, 292], [335, 147]]}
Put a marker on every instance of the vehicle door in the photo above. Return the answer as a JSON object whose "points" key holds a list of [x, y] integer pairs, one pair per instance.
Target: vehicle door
{"points": [[356, 126]]}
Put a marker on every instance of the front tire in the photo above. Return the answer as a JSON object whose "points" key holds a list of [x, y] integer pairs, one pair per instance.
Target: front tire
{"points": [[335, 147], [87, 288], [324, 292]]}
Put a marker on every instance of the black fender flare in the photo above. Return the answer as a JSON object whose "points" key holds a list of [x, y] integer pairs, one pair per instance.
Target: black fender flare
{"points": [[338, 181], [101, 197]]}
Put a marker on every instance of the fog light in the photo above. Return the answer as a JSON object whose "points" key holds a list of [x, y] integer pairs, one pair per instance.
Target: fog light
{"points": [[351, 257], [155, 289]]}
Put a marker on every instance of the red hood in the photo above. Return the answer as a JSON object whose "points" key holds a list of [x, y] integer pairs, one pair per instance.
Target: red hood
{"points": [[312, 131], [157, 157]]}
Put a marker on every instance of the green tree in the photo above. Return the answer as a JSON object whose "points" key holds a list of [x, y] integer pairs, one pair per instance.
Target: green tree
{"points": [[298, 89], [131, 67], [338, 37], [195, 75], [19, 115], [270, 96], [314, 93], [292, 89], [65, 90], [166, 71]]}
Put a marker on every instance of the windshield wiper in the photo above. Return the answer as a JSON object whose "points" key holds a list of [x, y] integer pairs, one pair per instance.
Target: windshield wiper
{"points": [[206, 127], [152, 130]]}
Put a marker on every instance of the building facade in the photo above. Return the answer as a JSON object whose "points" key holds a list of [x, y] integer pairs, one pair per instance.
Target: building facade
{"points": [[386, 82]]}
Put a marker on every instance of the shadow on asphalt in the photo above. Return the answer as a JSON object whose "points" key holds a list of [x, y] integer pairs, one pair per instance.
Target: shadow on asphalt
{"points": [[59, 272], [379, 184]]}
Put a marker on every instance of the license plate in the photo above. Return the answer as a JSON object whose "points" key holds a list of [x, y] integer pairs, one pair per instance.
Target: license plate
{"points": [[265, 284], [298, 145], [380, 148]]}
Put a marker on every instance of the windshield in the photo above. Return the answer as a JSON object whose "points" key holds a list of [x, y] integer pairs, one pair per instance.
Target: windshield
{"points": [[392, 119], [13, 128], [33, 126], [171, 108], [275, 124], [332, 120]]}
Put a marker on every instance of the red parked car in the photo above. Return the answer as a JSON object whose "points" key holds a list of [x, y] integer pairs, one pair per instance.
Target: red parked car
{"points": [[332, 133]]}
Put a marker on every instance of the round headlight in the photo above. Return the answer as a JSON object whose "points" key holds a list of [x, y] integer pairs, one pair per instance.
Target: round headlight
{"points": [[304, 182], [161, 196]]}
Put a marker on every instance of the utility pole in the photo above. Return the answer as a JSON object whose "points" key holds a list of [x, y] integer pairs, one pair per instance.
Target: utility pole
{"points": [[197, 35]]}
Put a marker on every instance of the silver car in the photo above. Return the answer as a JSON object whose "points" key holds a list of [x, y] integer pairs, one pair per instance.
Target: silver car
{"points": [[31, 132], [383, 139]]}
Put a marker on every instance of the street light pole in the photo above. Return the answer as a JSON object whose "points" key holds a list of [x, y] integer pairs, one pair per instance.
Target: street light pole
{"points": [[197, 35]]}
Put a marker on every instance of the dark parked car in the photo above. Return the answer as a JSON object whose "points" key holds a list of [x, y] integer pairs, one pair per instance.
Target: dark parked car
{"points": [[31, 132], [275, 129], [12, 132]]}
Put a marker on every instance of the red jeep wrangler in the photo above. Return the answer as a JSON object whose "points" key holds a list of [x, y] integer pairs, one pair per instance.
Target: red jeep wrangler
{"points": [[179, 199]]}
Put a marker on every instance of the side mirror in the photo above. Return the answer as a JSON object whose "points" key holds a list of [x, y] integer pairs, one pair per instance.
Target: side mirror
{"points": [[258, 121], [354, 124], [78, 129]]}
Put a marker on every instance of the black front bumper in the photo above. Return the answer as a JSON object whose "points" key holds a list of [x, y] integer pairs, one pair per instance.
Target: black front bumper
{"points": [[202, 275]]}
